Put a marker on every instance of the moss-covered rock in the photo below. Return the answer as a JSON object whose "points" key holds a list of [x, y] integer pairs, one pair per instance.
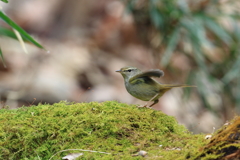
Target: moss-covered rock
{"points": [[122, 130], [224, 145]]}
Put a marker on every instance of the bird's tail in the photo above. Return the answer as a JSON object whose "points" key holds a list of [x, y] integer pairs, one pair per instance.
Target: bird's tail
{"points": [[169, 86]]}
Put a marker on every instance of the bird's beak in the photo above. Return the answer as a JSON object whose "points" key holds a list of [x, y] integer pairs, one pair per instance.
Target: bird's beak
{"points": [[118, 71]]}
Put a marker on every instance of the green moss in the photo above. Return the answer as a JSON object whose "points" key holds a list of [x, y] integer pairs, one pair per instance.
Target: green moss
{"points": [[116, 128]]}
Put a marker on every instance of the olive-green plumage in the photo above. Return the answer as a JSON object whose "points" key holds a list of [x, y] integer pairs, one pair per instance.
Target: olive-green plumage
{"points": [[140, 84]]}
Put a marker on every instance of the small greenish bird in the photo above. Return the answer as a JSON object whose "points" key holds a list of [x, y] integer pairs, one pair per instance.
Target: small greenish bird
{"points": [[140, 84]]}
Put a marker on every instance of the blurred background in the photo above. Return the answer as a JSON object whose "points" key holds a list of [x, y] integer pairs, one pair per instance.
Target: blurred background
{"points": [[193, 42]]}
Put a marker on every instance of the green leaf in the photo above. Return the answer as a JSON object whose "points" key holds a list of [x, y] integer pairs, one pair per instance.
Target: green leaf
{"points": [[9, 33], [233, 72], [1, 55], [172, 43], [6, 1], [199, 57], [217, 30], [236, 30], [156, 17], [19, 29], [197, 37], [130, 6]]}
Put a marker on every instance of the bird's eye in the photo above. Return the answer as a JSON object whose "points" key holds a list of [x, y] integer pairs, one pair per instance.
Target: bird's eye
{"points": [[129, 70]]}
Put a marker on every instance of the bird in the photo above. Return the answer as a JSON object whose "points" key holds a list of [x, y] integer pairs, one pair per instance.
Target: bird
{"points": [[141, 85]]}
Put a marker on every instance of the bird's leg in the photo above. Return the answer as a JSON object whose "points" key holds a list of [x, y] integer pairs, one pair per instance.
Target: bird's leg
{"points": [[156, 101]]}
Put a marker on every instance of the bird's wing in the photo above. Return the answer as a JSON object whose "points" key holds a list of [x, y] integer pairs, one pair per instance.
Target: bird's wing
{"points": [[146, 75]]}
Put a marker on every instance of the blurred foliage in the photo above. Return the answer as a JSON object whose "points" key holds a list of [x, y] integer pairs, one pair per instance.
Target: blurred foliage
{"points": [[206, 32], [6, 1], [19, 29], [9, 33], [25, 36], [2, 57]]}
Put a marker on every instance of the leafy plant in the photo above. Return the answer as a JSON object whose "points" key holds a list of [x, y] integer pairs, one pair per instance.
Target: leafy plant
{"points": [[9, 33]]}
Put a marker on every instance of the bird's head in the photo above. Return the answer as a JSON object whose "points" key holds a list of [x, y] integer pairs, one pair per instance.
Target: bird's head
{"points": [[129, 72]]}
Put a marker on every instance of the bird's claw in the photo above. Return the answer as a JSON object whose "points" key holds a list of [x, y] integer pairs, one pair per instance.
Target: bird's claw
{"points": [[141, 106]]}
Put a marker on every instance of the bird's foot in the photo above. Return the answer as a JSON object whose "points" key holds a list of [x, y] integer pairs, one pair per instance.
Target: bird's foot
{"points": [[145, 105], [141, 106]]}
